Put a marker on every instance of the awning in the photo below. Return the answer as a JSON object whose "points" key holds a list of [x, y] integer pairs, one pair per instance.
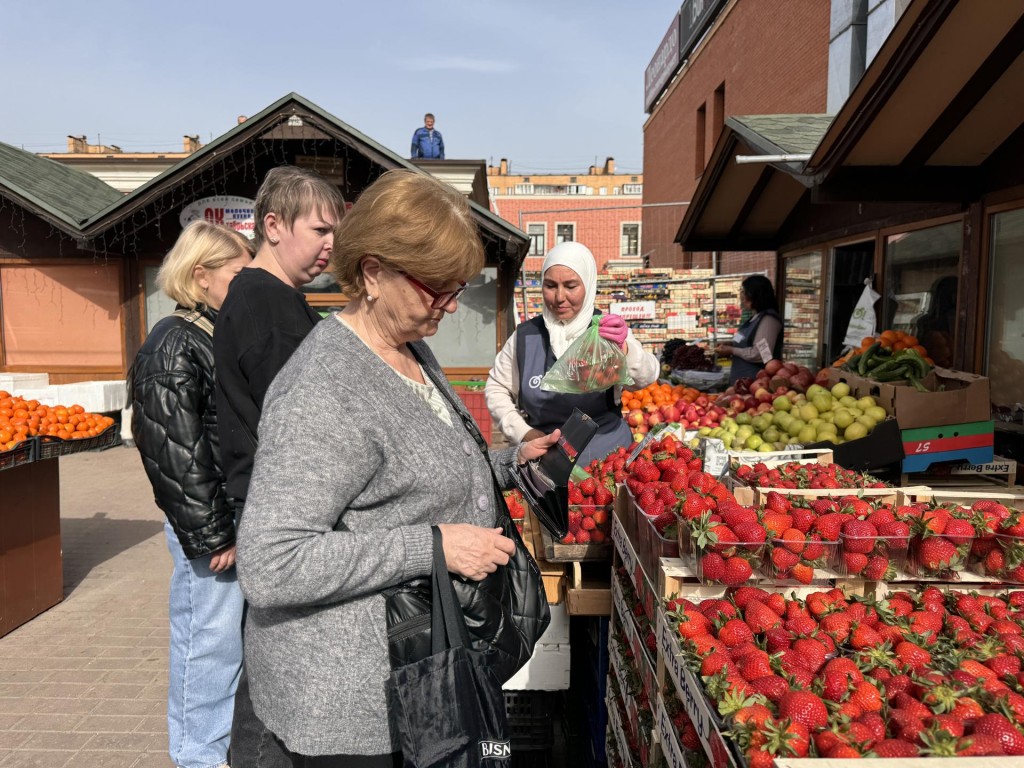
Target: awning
{"points": [[925, 124]]}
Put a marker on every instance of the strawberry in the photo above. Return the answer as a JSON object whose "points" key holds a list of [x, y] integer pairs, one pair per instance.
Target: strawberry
{"points": [[879, 568], [776, 502], [760, 617], [803, 518], [854, 563], [750, 532], [979, 744], [811, 653], [712, 567], [776, 522], [735, 632], [737, 571], [863, 636], [913, 656], [803, 573], [663, 521], [793, 540], [936, 554], [958, 531], [693, 623], [583, 536], [814, 549], [999, 727], [772, 687], [894, 748], [783, 559], [830, 525], [804, 707], [867, 697]]}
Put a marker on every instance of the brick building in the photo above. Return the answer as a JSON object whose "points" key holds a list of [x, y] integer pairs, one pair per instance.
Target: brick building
{"points": [[755, 58], [598, 207]]}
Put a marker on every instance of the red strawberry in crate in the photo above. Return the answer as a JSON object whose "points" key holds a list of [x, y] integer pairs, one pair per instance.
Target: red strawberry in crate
{"points": [[713, 567], [588, 486], [737, 571], [575, 494], [776, 502], [583, 537], [805, 708], [603, 497], [575, 521], [663, 521]]}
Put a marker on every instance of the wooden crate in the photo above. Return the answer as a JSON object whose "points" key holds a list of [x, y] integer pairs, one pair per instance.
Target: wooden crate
{"points": [[553, 574]]}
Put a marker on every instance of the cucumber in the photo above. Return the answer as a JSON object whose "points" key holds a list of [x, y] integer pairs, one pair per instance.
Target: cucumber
{"points": [[917, 384], [862, 365], [893, 374], [851, 364]]}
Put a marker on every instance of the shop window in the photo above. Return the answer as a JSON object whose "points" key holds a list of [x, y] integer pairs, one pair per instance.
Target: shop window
{"points": [[62, 315], [469, 337], [538, 235], [801, 308], [921, 271], [565, 233], [1004, 358], [158, 303], [630, 240]]}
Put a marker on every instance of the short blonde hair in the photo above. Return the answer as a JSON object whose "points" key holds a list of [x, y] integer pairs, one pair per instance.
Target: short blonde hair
{"points": [[291, 192], [413, 223], [200, 244]]}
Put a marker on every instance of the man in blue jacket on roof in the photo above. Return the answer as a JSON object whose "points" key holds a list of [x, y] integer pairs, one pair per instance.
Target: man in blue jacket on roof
{"points": [[426, 142]]}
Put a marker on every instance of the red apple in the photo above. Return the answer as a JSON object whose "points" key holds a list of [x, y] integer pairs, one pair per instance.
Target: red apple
{"points": [[772, 366], [670, 413], [654, 418], [635, 417]]}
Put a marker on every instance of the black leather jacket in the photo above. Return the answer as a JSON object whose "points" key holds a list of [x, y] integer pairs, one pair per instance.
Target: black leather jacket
{"points": [[174, 422]]}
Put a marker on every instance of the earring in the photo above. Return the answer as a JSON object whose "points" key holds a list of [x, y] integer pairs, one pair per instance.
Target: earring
{"points": [[273, 241], [369, 297]]}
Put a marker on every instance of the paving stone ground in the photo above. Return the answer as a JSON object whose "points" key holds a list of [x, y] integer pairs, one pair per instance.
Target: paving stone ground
{"points": [[84, 685]]}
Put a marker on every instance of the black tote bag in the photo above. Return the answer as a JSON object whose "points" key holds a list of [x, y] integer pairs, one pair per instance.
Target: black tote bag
{"points": [[449, 708]]}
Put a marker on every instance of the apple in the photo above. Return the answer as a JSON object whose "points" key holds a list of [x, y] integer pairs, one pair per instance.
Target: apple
{"points": [[772, 366], [635, 417], [702, 401], [654, 418], [670, 413]]}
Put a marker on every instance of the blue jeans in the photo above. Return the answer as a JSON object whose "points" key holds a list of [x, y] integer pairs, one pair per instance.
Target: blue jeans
{"points": [[205, 659]]}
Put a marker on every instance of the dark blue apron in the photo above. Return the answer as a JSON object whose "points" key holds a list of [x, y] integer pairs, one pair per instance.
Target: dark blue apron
{"points": [[549, 410], [744, 339]]}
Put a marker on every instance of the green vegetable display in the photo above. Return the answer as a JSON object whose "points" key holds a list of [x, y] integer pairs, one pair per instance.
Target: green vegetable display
{"points": [[881, 364]]}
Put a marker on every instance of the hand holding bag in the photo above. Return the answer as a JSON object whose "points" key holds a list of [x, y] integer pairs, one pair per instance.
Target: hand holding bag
{"points": [[449, 707]]}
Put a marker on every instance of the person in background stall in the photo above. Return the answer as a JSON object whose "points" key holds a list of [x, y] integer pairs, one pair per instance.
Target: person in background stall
{"points": [[757, 296], [521, 408], [174, 424], [427, 141], [363, 448], [264, 319]]}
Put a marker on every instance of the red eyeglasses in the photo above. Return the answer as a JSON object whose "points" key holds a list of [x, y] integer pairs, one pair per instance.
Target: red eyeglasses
{"points": [[441, 299]]}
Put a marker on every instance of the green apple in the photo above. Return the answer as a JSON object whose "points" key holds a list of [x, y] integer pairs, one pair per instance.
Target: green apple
{"points": [[727, 440], [828, 437], [794, 428], [843, 418], [771, 434], [727, 422], [782, 403], [876, 412], [808, 435], [704, 431], [814, 390], [743, 433], [816, 422], [840, 390], [753, 442], [855, 412], [866, 402], [848, 402], [826, 429], [743, 418], [765, 448], [731, 427], [762, 422], [867, 421], [855, 431], [828, 417], [808, 412], [823, 402]]}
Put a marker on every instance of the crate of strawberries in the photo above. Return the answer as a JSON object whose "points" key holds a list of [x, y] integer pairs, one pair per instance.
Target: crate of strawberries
{"points": [[591, 500], [801, 475]]}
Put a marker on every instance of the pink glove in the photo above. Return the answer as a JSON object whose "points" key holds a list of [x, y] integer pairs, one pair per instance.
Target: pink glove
{"points": [[613, 328]]}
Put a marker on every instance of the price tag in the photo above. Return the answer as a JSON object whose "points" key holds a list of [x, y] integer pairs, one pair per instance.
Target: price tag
{"points": [[716, 457], [763, 350]]}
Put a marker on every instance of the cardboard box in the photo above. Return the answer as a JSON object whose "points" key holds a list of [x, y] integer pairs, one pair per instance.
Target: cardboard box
{"points": [[955, 397]]}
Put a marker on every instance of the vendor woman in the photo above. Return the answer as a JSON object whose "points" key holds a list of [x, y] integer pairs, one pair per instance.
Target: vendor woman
{"points": [[757, 297], [521, 408]]}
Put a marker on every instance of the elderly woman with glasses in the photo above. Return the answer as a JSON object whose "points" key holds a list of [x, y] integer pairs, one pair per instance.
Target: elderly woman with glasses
{"points": [[363, 447]]}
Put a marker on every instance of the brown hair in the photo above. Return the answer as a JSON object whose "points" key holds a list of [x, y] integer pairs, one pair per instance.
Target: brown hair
{"points": [[200, 244], [413, 223], [292, 192]]}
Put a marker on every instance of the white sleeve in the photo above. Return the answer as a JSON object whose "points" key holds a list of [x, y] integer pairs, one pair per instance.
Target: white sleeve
{"points": [[643, 366], [501, 393]]}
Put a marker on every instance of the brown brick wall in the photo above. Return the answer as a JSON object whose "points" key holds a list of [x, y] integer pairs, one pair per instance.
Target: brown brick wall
{"points": [[772, 58]]}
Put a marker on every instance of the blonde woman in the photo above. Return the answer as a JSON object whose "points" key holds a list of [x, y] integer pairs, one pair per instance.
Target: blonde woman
{"points": [[174, 423]]}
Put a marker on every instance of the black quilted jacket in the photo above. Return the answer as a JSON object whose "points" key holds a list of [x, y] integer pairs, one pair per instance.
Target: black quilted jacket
{"points": [[174, 422]]}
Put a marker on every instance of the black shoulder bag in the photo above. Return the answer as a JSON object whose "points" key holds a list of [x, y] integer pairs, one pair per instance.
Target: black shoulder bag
{"points": [[448, 706], [505, 613]]}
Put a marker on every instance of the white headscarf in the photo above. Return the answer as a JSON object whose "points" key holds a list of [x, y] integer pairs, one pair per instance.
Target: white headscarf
{"points": [[580, 260]]}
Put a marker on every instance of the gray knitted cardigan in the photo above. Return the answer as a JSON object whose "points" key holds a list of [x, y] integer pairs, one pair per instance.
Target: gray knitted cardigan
{"points": [[352, 470]]}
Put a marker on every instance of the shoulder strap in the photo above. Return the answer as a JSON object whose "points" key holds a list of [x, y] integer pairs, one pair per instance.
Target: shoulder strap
{"points": [[196, 318]]}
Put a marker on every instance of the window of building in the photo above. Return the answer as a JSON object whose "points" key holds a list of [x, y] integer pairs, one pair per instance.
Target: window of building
{"points": [[1004, 352], [526, 179], [494, 191], [565, 233], [630, 239], [602, 190], [718, 113], [572, 179], [632, 189], [634, 179], [524, 189], [62, 315], [538, 237], [699, 139], [921, 276], [801, 308], [615, 190]]}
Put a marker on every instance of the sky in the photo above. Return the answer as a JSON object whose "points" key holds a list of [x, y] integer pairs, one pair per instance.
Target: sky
{"points": [[551, 85]]}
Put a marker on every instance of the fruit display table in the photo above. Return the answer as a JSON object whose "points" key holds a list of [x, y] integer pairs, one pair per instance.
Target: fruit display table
{"points": [[31, 573]]}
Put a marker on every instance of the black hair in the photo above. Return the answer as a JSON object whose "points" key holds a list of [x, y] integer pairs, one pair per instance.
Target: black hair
{"points": [[760, 292]]}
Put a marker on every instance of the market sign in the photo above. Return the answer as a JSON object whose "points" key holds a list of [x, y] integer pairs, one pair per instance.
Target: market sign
{"points": [[695, 16], [235, 212], [662, 66], [633, 310]]}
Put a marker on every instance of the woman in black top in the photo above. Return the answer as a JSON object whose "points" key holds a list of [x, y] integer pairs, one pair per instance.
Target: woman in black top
{"points": [[757, 296], [262, 322], [174, 423]]}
